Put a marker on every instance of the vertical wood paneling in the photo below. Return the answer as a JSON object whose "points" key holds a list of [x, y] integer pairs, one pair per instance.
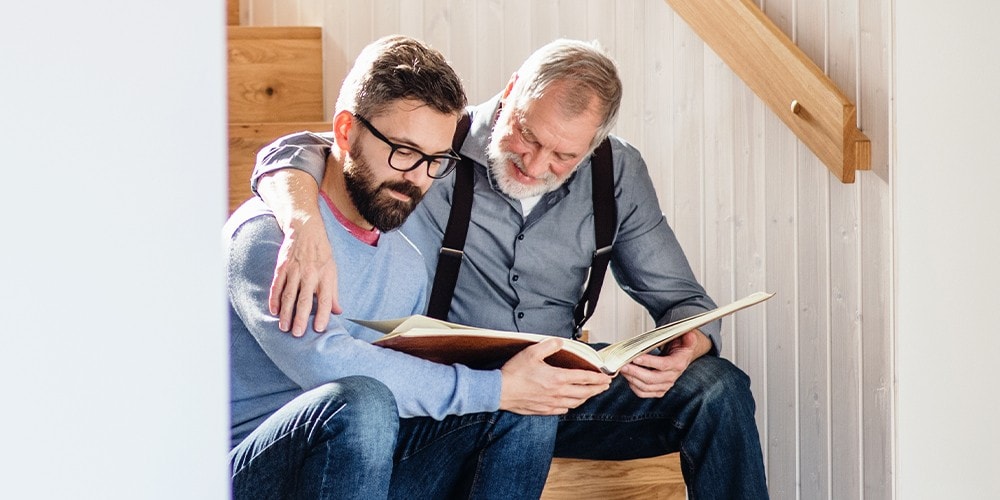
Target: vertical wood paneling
{"points": [[877, 278], [653, 92], [545, 25], [845, 274], [628, 52], [719, 251], [782, 348], [573, 20], [813, 285], [516, 35], [750, 270], [488, 78], [337, 56], [462, 28], [260, 13], [287, 13], [752, 207], [657, 94], [687, 110], [437, 24], [385, 18]]}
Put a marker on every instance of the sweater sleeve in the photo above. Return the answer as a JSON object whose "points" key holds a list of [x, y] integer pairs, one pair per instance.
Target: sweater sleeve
{"points": [[421, 388], [304, 151]]}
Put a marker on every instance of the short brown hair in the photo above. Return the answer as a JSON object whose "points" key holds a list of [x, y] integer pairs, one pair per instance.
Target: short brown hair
{"points": [[399, 67]]}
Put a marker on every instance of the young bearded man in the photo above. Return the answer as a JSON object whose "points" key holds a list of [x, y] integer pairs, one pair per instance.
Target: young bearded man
{"points": [[527, 257], [332, 416]]}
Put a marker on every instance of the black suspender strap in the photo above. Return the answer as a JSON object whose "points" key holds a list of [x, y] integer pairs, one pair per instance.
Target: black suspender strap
{"points": [[605, 219], [450, 257]]}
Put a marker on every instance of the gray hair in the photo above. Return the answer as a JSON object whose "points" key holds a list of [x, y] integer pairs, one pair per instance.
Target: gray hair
{"points": [[399, 67], [585, 68]]}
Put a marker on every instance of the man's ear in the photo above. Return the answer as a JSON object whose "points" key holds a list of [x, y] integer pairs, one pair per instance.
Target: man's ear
{"points": [[342, 124], [509, 87]]}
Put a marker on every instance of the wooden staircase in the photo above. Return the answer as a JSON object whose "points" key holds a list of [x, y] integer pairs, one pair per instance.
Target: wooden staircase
{"points": [[276, 88]]}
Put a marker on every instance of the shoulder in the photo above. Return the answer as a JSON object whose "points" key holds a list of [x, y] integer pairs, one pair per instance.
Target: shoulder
{"points": [[625, 156], [250, 230], [400, 247]]}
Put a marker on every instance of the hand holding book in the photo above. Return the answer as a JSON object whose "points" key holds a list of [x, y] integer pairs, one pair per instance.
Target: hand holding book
{"points": [[451, 343]]}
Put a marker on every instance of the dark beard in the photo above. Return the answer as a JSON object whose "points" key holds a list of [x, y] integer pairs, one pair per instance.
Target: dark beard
{"points": [[373, 203]]}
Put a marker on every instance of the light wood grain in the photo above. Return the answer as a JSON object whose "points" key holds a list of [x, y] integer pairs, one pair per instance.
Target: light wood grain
{"points": [[779, 72], [245, 140], [275, 75], [646, 479], [233, 12]]}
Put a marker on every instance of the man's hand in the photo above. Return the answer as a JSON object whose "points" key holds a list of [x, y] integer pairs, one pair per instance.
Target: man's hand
{"points": [[304, 268], [652, 376], [305, 265], [533, 387]]}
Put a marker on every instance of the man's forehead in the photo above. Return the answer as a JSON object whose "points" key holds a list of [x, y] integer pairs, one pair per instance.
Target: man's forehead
{"points": [[553, 123]]}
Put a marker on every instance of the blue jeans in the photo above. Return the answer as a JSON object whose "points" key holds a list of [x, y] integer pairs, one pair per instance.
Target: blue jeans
{"points": [[345, 440], [708, 415]]}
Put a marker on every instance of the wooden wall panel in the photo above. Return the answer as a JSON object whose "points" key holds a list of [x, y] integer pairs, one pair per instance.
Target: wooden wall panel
{"points": [[845, 300], [753, 207], [780, 231], [813, 284]]}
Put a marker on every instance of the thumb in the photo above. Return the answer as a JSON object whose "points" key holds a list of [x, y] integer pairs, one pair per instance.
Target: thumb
{"points": [[545, 348]]}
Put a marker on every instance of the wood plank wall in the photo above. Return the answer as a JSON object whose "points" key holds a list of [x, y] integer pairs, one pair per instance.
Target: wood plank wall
{"points": [[753, 207]]}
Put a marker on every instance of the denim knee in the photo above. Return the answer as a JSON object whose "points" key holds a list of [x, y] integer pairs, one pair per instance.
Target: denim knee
{"points": [[717, 381], [360, 413], [532, 430]]}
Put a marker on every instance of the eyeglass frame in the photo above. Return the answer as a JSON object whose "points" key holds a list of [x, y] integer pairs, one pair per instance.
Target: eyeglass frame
{"points": [[424, 157]]}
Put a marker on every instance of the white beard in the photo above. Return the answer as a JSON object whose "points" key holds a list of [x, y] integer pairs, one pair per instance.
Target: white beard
{"points": [[500, 160]]}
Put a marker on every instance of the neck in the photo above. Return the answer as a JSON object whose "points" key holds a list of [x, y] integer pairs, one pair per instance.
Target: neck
{"points": [[336, 188]]}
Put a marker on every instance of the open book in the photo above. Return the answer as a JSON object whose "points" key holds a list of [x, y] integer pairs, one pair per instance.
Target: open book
{"points": [[449, 343]]}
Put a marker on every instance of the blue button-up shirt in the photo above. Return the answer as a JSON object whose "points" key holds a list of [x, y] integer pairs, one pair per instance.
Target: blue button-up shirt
{"points": [[527, 273]]}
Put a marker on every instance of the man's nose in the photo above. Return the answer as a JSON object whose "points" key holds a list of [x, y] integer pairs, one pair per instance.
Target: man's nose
{"points": [[418, 177], [535, 163]]}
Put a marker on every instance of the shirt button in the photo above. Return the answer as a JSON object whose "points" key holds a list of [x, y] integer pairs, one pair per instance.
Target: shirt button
{"points": [[520, 237], [514, 278], [520, 315]]}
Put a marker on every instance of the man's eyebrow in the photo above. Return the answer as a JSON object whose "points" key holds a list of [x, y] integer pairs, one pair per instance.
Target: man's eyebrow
{"points": [[404, 141], [527, 134]]}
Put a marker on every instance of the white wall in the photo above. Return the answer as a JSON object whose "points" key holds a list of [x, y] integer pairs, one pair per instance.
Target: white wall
{"points": [[113, 372], [948, 243]]}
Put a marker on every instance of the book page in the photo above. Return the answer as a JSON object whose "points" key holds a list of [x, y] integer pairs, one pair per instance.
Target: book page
{"points": [[620, 353], [409, 323]]}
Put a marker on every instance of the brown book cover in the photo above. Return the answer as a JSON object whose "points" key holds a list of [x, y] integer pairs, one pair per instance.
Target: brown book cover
{"points": [[451, 343]]}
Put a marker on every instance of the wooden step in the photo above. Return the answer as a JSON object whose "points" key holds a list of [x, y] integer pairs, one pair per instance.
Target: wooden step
{"points": [[233, 12], [245, 140], [275, 74], [644, 478]]}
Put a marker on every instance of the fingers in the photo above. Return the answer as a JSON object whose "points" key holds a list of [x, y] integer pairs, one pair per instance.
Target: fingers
{"points": [[287, 294], [274, 294], [324, 302], [303, 309], [544, 349], [650, 376]]}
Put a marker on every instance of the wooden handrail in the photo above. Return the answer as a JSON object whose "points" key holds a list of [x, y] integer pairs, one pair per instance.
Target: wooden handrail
{"points": [[784, 78]]}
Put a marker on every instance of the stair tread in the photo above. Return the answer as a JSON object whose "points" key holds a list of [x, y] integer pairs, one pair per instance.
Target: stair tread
{"points": [[245, 140], [274, 32]]}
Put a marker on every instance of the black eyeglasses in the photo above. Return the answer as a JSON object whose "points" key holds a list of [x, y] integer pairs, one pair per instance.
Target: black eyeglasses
{"points": [[405, 158]]}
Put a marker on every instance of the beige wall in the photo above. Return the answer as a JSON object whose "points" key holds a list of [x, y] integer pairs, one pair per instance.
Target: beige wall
{"points": [[753, 208], [948, 242]]}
